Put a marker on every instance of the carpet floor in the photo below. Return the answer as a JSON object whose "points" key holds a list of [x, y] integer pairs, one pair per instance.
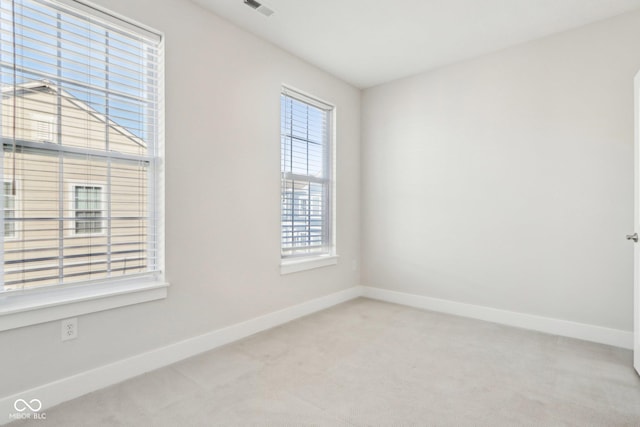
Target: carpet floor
{"points": [[370, 363]]}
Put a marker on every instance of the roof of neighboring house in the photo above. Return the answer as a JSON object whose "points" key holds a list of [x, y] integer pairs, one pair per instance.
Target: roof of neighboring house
{"points": [[41, 85]]}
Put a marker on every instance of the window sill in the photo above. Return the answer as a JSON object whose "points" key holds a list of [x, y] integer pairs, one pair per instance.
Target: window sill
{"points": [[289, 266], [18, 309]]}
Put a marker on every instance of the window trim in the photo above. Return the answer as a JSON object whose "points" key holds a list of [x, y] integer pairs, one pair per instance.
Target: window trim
{"points": [[298, 263], [25, 307], [47, 303]]}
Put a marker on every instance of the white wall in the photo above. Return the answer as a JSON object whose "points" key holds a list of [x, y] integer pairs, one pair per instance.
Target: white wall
{"points": [[222, 199], [507, 181]]}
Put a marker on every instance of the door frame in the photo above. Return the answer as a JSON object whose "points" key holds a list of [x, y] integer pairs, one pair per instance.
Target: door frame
{"points": [[636, 224]]}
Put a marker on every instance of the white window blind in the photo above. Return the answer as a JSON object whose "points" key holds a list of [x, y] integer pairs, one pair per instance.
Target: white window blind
{"points": [[80, 132], [306, 219]]}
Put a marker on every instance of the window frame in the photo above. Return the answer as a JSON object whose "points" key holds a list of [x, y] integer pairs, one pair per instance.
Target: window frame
{"points": [[301, 262], [30, 306]]}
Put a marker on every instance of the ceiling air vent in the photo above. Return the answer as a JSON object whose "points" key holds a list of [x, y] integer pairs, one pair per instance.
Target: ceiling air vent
{"points": [[259, 7]]}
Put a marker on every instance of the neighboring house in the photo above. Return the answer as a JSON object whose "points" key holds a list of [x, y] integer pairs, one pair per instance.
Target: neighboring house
{"points": [[75, 186], [302, 217]]}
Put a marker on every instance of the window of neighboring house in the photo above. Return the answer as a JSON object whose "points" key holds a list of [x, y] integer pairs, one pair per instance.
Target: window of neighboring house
{"points": [[306, 176], [81, 103], [9, 211], [87, 202]]}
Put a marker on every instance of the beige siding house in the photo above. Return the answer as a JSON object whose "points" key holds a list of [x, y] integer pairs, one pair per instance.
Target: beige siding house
{"points": [[75, 186]]}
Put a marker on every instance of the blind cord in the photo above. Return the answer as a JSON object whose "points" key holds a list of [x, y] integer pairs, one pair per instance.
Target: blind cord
{"points": [[15, 94]]}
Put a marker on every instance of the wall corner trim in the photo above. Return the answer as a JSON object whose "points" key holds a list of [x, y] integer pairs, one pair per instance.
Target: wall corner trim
{"points": [[65, 389], [564, 328]]}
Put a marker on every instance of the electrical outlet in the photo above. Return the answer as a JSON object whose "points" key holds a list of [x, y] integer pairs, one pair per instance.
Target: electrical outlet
{"points": [[70, 329]]}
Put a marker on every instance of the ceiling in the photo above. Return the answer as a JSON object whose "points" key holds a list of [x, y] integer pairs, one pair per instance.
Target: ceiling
{"points": [[369, 42]]}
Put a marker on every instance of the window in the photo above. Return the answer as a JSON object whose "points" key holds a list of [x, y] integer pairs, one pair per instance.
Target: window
{"points": [[306, 176], [80, 106], [87, 202], [9, 211]]}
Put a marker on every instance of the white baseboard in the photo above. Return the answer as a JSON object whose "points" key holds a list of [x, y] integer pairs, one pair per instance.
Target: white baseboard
{"points": [[77, 385], [565, 328]]}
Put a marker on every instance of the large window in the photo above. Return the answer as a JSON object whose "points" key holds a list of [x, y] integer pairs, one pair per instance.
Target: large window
{"points": [[81, 130], [306, 176]]}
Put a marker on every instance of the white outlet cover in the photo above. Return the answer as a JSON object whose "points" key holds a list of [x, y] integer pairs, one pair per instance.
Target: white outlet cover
{"points": [[69, 329]]}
